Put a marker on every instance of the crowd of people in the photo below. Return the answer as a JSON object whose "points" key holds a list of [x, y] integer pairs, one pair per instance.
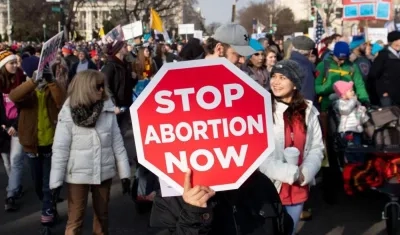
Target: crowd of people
{"points": [[74, 127]]}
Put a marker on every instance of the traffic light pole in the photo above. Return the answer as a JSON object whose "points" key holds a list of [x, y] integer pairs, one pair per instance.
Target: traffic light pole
{"points": [[9, 27], [62, 20]]}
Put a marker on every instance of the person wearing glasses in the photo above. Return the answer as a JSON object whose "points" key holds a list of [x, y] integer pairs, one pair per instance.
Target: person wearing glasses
{"points": [[88, 151], [255, 65]]}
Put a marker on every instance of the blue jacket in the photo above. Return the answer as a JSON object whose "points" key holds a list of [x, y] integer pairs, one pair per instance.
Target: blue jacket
{"points": [[307, 86]]}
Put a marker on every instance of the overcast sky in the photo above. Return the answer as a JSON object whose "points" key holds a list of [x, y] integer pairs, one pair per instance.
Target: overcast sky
{"points": [[221, 10]]}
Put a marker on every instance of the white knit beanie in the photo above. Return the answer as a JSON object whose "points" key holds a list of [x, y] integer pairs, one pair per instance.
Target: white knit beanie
{"points": [[5, 57]]}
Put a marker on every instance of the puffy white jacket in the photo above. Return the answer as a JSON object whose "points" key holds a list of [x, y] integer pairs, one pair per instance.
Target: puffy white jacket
{"points": [[275, 166], [88, 155], [352, 115]]}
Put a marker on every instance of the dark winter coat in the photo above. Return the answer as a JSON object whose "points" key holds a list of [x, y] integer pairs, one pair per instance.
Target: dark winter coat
{"points": [[308, 83], [384, 77], [254, 209], [119, 81], [74, 67]]}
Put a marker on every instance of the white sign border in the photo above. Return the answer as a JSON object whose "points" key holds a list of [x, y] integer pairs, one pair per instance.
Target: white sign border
{"points": [[193, 64]]}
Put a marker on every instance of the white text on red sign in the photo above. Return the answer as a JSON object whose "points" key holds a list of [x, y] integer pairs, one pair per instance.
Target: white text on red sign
{"points": [[196, 130]]}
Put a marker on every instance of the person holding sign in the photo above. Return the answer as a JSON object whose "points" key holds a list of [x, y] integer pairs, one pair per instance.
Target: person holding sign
{"points": [[39, 100], [253, 209], [299, 148]]}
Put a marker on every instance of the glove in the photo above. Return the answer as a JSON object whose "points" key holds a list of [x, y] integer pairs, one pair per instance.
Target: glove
{"points": [[56, 192], [126, 186], [48, 77], [366, 104], [34, 77]]}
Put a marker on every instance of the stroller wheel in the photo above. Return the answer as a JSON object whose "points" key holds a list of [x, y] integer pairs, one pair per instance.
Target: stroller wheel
{"points": [[46, 231]]}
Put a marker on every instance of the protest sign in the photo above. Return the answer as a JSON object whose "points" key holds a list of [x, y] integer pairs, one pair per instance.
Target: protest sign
{"points": [[186, 118], [49, 54]]}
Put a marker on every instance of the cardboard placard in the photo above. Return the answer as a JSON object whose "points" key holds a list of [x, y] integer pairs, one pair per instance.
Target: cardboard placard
{"points": [[133, 30]]}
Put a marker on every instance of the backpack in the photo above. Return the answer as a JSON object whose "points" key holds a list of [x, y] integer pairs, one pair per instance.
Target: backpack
{"points": [[274, 216], [386, 123], [137, 90], [144, 183]]}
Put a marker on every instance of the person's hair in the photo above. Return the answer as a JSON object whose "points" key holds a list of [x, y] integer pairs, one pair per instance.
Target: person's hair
{"points": [[5, 78], [210, 45], [296, 109], [29, 49], [261, 40], [328, 40], [269, 50], [82, 90], [271, 42], [192, 50], [380, 42], [250, 64], [336, 35], [288, 51], [315, 53], [140, 61], [159, 53]]}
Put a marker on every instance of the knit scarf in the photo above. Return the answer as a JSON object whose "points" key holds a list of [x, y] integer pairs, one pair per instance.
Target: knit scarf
{"points": [[87, 116], [147, 69]]}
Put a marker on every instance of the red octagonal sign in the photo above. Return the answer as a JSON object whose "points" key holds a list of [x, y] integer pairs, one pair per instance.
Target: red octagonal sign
{"points": [[206, 115]]}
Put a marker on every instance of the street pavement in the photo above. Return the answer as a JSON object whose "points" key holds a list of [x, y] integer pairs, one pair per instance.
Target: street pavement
{"points": [[360, 215]]}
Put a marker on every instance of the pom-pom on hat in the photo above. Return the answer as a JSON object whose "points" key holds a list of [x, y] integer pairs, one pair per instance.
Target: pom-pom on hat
{"points": [[5, 57]]}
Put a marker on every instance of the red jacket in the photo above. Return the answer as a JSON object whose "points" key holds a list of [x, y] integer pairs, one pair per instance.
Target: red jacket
{"points": [[295, 136]]}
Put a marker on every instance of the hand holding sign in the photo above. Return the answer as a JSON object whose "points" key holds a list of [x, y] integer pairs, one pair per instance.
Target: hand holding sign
{"points": [[197, 196]]}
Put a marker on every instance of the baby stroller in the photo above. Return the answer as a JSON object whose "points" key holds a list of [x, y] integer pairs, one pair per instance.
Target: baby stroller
{"points": [[55, 195], [381, 140]]}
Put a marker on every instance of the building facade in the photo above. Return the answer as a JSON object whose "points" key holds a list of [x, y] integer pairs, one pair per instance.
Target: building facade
{"points": [[90, 17], [3, 20]]}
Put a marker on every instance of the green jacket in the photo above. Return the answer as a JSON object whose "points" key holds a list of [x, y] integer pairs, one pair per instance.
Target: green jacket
{"points": [[346, 72]]}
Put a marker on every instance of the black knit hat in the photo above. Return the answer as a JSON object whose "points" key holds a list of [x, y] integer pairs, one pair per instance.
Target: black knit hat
{"points": [[393, 36], [114, 47], [291, 70], [193, 50]]}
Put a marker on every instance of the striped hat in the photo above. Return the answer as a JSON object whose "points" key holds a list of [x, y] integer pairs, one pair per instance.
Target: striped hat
{"points": [[5, 57]]}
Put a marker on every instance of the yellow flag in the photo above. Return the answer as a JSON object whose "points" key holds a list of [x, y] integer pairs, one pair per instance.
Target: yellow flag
{"points": [[101, 32], [155, 21]]}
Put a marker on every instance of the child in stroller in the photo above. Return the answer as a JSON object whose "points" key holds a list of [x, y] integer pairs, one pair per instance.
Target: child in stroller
{"points": [[377, 132], [352, 116]]}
